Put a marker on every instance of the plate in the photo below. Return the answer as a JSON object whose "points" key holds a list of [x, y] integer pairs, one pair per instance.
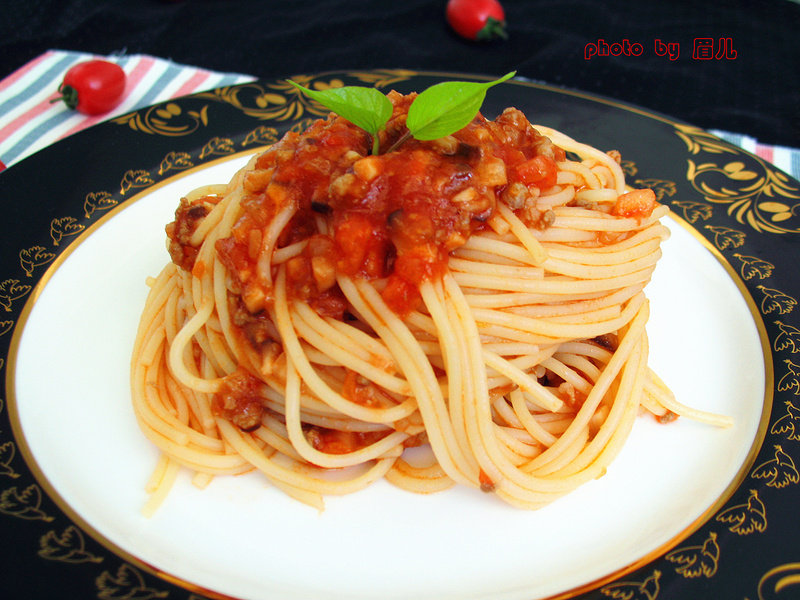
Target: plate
{"points": [[685, 510]]}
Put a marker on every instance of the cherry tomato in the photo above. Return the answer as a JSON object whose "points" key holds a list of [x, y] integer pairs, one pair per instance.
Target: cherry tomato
{"points": [[477, 19], [93, 87]]}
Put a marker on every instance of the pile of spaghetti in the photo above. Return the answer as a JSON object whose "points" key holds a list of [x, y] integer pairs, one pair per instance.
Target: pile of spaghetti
{"points": [[465, 310]]}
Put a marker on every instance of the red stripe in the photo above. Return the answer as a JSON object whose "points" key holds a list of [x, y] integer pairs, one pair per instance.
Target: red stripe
{"points": [[16, 75], [765, 152], [194, 82], [29, 115], [132, 80], [139, 71]]}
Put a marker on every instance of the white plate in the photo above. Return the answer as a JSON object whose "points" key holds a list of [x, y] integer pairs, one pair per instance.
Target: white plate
{"points": [[242, 538]]}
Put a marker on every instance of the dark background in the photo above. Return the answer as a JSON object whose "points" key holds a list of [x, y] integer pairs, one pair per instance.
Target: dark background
{"points": [[757, 93]]}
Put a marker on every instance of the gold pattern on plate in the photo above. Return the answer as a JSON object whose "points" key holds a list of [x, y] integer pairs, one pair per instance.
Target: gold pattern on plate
{"points": [[697, 140], [789, 424], [787, 339], [62, 227], [725, 237], [279, 101], [126, 583], [751, 196], [746, 518], [382, 78], [69, 546], [693, 211], [779, 471], [5, 327], [7, 453], [261, 135], [217, 146], [301, 125], [782, 582], [629, 168], [11, 290], [776, 301], [753, 266], [134, 178], [791, 380], [756, 193], [23, 504], [167, 119], [175, 161], [696, 561], [647, 589], [95, 201]]}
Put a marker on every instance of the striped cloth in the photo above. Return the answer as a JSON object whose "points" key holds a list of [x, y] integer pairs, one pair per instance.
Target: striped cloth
{"points": [[29, 120], [785, 158]]}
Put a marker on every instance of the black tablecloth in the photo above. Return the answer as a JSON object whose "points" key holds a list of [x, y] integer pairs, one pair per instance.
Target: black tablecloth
{"points": [[756, 93]]}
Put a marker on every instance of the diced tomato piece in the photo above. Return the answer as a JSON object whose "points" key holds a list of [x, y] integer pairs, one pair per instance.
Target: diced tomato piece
{"points": [[636, 204], [540, 171], [413, 267], [400, 295], [352, 237]]}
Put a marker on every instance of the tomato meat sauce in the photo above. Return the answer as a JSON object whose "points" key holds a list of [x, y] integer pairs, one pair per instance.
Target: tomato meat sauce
{"points": [[393, 216]]}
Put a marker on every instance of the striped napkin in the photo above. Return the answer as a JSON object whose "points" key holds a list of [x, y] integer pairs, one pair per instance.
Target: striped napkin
{"points": [[30, 122], [785, 158]]}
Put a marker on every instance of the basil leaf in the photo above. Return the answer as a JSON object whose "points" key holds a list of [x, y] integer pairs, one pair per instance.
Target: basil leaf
{"points": [[364, 107], [446, 107]]}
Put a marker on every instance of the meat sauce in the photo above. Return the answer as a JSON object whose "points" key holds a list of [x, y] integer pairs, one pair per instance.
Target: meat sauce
{"points": [[394, 216], [188, 217], [239, 400]]}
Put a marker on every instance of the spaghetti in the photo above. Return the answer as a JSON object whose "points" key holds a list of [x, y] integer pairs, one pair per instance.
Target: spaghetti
{"points": [[466, 310]]}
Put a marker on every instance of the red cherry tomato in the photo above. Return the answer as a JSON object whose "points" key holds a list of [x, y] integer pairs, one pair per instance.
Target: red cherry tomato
{"points": [[477, 19], [93, 87]]}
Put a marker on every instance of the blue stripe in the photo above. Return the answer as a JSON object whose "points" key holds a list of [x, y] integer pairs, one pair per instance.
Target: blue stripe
{"points": [[121, 59], [230, 79], [733, 138], [34, 134], [48, 78], [795, 164], [170, 73]]}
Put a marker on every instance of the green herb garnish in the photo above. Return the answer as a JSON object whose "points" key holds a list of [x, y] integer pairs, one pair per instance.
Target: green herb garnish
{"points": [[446, 107], [364, 107], [440, 110]]}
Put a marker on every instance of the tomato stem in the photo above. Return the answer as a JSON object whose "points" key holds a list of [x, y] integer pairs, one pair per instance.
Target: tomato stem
{"points": [[68, 94], [494, 28]]}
